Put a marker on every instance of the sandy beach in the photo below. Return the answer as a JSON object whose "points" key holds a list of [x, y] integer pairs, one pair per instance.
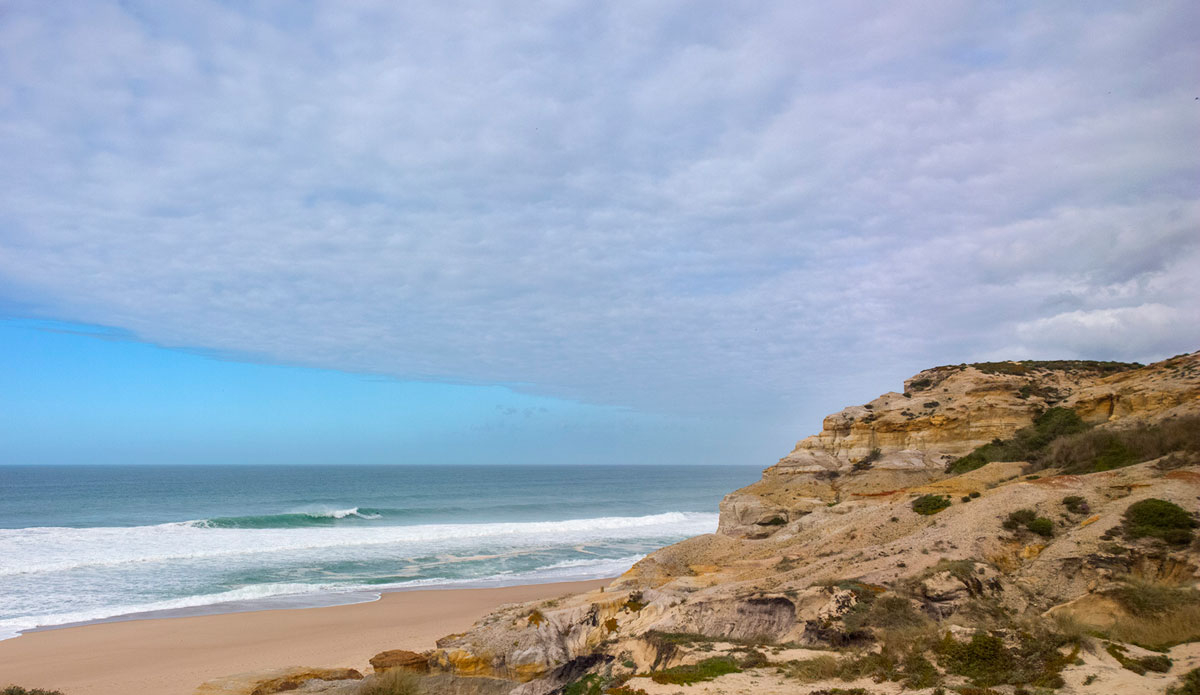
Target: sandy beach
{"points": [[171, 656]]}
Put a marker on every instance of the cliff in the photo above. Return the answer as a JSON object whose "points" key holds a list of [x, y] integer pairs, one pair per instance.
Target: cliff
{"points": [[904, 439], [900, 548]]}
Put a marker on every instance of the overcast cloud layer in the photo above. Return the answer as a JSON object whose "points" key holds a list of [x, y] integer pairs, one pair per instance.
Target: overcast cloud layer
{"points": [[666, 205]]}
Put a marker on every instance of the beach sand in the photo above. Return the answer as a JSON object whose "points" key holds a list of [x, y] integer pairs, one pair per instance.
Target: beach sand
{"points": [[171, 656]]}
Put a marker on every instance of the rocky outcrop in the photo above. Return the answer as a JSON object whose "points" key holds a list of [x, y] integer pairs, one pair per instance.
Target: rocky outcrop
{"points": [[900, 440], [292, 679], [400, 659]]}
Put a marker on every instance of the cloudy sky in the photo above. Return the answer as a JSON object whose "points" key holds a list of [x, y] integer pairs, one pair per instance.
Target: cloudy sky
{"points": [[639, 231]]}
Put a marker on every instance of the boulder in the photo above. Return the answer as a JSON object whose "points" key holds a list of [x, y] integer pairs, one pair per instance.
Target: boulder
{"points": [[401, 659]]}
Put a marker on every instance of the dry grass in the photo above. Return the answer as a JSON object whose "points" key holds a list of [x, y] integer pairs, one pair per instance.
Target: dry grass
{"points": [[818, 668], [1158, 613], [1159, 632], [1105, 449]]}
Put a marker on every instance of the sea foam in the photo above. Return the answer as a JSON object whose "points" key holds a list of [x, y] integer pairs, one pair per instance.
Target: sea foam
{"points": [[58, 549]]}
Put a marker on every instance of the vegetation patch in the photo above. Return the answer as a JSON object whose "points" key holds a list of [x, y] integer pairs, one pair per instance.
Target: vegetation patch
{"points": [[1139, 665], [930, 504], [1155, 518], [18, 690], [1026, 444], [987, 660], [885, 613], [1105, 449], [1158, 616], [1189, 684], [1076, 504], [536, 618], [706, 670], [1028, 520], [865, 463], [1024, 367], [591, 684]]}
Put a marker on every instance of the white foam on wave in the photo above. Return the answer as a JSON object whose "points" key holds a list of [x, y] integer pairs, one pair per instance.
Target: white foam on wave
{"points": [[326, 513], [567, 570], [12, 627], [57, 549]]}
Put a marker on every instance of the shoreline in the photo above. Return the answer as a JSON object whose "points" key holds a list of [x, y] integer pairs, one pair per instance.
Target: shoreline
{"points": [[172, 655]]}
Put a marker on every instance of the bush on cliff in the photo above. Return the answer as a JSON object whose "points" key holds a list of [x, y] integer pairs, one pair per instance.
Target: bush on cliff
{"points": [[1028, 520], [930, 504], [1103, 449], [1189, 684], [1026, 444], [1035, 659], [694, 673], [1155, 518]]}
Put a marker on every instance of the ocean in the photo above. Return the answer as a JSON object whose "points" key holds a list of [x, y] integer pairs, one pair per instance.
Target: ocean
{"points": [[88, 543]]}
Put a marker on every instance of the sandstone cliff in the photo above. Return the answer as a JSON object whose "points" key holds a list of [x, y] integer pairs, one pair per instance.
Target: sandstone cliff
{"points": [[858, 558], [903, 439]]}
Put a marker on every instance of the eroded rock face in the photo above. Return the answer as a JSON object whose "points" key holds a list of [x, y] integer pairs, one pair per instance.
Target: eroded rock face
{"points": [[901, 440]]}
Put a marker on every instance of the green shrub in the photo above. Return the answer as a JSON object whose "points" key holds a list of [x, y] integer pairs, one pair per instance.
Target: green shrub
{"points": [[930, 504], [885, 612], [1189, 684], [1042, 527], [1076, 504], [985, 659], [973, 495], [919, 672], [1028, 520], [1139, 665], [1155, 518], [865, 462], [752, 658], [18, 690], [1026, 444], [392, 682], [591, 684], [694, 673]]}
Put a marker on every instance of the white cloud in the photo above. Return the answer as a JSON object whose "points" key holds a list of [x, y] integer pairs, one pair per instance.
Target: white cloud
{"points": [[1125, 332], [664, 205]]}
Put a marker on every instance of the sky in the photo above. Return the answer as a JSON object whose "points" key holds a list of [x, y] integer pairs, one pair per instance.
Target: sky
{"points": [[569, 232]]}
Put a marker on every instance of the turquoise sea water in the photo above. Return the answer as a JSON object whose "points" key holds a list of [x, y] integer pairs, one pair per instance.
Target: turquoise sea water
{"points": [[84, 543]]}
